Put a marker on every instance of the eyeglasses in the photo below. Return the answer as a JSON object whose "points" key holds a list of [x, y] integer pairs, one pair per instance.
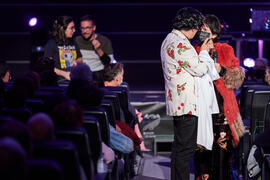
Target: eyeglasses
{"points": [[72, 28], [86, 28]]}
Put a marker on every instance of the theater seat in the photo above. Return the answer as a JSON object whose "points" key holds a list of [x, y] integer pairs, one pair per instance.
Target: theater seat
{"points": [[91, 125], [64, 152], [101, 114], [79, 137], [44, 170]]}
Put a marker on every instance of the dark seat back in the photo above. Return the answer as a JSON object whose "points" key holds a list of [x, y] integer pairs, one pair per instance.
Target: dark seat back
{"points": [[246, 98], [113, 97], [101, 114], [57, 89], [79, 137], [109, 107], [259, 102], [64, 152], [44, 170], [91, 125], [36, 105], [122, 93], [267, 117], [20, 113]]}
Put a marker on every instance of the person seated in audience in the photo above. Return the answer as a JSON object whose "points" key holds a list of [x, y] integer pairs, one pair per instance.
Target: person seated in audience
{"points": [[12, 160], [19, 131], [4, 72], [62, 49], [257, 73], [96, 49], [69, 114], [41, 127], [88, 95], [113, 76]]}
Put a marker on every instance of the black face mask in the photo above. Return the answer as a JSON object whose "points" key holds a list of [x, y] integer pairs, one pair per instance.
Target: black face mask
{"points": [[202, 35]]}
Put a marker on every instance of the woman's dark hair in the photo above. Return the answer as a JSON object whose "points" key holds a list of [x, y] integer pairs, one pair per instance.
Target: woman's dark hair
{"points": [[59, 27], [213, 23], [188, 18]]}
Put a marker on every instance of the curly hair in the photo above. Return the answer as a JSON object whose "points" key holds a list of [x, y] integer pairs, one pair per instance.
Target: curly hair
{"points": [[213, 23], [59, 27], [188, 18]]}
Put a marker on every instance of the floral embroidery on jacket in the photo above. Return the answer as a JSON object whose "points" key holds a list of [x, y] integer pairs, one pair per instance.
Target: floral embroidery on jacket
{"points": [[170, 50], [184, 64], [180, 88], [182, 48], [169, 95]]}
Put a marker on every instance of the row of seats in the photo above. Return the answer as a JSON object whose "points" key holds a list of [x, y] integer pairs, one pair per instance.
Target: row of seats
{"points": [[255, 111], [76, 148]]}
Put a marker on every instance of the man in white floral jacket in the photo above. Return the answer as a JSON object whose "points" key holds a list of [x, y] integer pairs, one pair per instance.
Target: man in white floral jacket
{"points": [[181, 63]]}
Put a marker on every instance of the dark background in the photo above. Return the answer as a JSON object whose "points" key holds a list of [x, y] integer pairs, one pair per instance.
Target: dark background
{"points": [[136, 30]]}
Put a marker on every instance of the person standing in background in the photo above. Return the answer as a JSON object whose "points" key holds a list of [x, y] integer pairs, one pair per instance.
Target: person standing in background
{"points": [[181, 64]]}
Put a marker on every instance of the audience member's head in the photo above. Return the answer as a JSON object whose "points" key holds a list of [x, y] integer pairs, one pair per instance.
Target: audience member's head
{"points": [[88, 26], [113, 74], [63, 30], [261, 64], [81, 71], [86, 94], [41, 127], [260, 68], [4, 71], [12, 160], [18, 131], [188, 19], [67, 114], [35, 77]]}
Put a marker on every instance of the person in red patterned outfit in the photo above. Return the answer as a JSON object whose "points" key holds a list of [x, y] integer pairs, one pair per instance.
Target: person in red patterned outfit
{"points": [[228, 125], [181, 64]]}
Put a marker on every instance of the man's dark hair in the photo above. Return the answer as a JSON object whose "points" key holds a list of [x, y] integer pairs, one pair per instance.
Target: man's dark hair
{"points": [[88, 18], [188, 18], [111, 71], [213, 23], [59, 27]]}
